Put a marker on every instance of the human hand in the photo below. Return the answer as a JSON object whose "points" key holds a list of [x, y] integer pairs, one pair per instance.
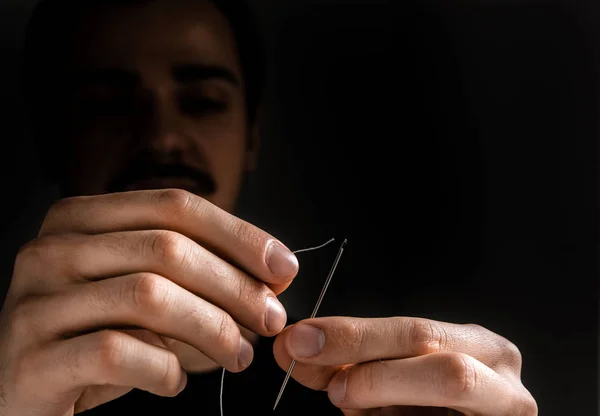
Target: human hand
{"points": [[406, 366], [114, 283]]}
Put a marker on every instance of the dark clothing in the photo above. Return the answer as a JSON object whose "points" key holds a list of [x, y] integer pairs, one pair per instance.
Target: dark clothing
{"points": [[251, 392]]}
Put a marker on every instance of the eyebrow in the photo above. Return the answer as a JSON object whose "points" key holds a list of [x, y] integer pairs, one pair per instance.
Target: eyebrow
{"points": [[185, 74], [182, 74]]}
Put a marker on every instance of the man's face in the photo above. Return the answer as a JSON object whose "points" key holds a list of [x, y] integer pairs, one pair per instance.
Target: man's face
{"points": [[158, 102]]}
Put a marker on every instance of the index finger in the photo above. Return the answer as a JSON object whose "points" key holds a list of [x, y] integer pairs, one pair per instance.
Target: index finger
{"points": [[233, 239]]}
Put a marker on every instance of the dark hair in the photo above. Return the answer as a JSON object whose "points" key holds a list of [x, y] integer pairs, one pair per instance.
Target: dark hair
{"points": [[50, 28]]}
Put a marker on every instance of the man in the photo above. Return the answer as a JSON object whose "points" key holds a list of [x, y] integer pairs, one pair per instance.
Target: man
{"points": [[142, 283]]}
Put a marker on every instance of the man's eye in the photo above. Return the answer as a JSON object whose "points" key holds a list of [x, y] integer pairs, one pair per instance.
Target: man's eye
{"points": [[201, 105]]}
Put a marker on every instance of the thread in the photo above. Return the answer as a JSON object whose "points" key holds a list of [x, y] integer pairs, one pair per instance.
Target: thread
{"points": [[224, 371]]}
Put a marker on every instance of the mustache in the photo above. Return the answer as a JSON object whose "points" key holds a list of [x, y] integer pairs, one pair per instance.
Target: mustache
{"points": [[140, 171]]}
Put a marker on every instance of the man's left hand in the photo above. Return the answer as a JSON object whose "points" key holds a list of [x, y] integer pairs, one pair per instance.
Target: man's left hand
{"points": [[400, 366]]}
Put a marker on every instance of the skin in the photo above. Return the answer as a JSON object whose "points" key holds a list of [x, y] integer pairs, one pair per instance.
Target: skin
{"points": [[166, 279]]}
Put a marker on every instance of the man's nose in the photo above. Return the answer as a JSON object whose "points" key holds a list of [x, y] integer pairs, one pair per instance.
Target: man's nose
{"points": [[163, 126]]}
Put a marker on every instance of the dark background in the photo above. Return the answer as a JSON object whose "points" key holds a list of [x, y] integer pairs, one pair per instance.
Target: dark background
{"points": [[453, 143]]}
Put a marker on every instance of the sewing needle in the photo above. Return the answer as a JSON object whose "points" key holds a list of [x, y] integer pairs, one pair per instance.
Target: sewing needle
{"points": [[314, 314]]}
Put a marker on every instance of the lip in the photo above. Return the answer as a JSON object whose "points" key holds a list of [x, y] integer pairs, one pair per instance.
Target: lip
{"points": [[164, 183]]}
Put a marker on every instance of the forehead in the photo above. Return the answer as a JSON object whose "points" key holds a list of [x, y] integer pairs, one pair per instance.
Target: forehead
{"points": [[153, 34]]}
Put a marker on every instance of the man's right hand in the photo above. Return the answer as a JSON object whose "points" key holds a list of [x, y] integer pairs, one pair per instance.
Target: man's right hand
{"points": [[110, 277]]}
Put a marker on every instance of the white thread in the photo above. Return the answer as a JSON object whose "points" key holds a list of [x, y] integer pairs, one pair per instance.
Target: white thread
{"points": [[223, 373], [314, 248]]}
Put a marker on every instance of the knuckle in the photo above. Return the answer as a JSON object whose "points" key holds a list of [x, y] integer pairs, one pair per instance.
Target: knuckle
{"points": [[246, 290], [244, 232], [459, 375], [360, 334], [227, 334], [352, 334], [33, 251], [174, 203], [425, 336], [168, 247], [511, 355], [45, 254], [477, 328], [58, 210], [148, 292], [481, 332], [64, 204], [507, 354], [111, 351], [529, 406]]}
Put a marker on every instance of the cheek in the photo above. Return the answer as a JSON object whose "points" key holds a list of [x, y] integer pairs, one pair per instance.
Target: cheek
{"points": [[224, 140], [227, 160]]}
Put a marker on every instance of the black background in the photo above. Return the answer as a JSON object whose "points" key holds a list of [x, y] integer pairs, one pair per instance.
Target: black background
{"points": [[452, 143]]}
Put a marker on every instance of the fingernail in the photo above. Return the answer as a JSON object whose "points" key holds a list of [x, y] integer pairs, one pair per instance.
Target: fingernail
{"points": [[306, 340], [246, 354], [275, 317], [337, 387], [281, 261], [182, 382]]}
